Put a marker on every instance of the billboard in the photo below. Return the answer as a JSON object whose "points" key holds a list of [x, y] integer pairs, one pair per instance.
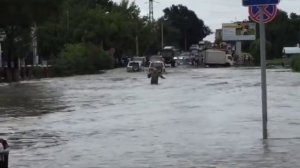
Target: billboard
{"points": [[238, 31]]}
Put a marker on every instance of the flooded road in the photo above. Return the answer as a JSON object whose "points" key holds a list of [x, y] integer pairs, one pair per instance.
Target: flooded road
{"points": [[194, 118]]}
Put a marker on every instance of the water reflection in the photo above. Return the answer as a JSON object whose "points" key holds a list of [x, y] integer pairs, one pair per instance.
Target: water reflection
{"points": [[118, 120], [28, 99]]}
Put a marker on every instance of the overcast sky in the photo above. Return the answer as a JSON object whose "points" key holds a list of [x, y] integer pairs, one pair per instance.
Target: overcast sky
{"points": [[213, 12]]}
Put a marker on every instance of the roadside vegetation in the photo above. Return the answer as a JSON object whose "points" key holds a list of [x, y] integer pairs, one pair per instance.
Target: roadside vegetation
{"points": [[85, 36], [282, 32], [275, 62], [296, 63], [82, 58]]}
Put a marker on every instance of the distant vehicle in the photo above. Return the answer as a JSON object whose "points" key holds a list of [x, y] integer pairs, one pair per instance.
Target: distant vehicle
{"points": [[158, 65], [195, 50], [288, 54], [217, 57], [185, 58], [140, 59], [203, 45], [168, 54], [156, 58], [135, 66]]}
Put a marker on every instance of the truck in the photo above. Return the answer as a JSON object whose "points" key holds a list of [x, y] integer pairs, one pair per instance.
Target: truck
{"points": [[168, 54], [213, 57]]}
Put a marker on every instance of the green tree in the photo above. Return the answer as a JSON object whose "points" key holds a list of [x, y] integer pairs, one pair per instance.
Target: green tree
{"points": [[255, 50], [81, 58], [296, 63], [192, 29], [16, 20], [283, 31]]}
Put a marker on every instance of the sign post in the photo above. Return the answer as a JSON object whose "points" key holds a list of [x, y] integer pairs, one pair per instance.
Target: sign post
{"points": [[263, 11], [262, 33], [269, 13]]}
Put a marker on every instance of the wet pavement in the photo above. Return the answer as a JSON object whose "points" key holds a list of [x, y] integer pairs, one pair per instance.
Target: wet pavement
{"points": [[194, 118]]}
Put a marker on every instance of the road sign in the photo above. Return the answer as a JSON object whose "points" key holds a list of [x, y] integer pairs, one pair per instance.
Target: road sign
{"points": [[269, 13], [259, 2]]}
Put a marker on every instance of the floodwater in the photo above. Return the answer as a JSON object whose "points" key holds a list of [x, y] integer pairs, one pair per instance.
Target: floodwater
{"points": [[195, 118]]}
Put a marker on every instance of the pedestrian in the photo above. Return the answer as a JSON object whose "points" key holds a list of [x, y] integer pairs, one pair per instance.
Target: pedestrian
{"points": [[197, 62], [154, 75]]}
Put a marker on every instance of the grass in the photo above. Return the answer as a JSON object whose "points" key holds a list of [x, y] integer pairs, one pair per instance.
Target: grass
{"points": [[296, 64], [274, 62]]}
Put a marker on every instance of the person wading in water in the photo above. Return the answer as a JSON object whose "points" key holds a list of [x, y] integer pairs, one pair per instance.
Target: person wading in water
{"points": [[154, 75]]}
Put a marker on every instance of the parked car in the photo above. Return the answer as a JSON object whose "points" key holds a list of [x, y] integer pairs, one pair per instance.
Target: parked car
{"points": [[140, 59], [158, 65], [135, 66]]}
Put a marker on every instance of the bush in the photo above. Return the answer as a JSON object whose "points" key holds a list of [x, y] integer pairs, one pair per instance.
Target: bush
{"points": [[255, 50], [81, 59], [296, 63]]}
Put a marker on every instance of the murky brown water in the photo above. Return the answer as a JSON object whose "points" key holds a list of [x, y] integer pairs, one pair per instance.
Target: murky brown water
{"points": [[194, 118]]}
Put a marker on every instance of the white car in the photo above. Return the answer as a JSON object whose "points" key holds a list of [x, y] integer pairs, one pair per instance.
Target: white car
{"points": [[134, 66]]}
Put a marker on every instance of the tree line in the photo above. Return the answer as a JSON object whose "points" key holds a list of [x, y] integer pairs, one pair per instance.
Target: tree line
{"points": [[284, 31], [83, 36]]}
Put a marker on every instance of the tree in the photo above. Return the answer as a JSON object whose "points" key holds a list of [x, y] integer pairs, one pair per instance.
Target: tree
{"points": [[283, 31], [103, 23], [16, 19], [254, 50], [191, 28]]}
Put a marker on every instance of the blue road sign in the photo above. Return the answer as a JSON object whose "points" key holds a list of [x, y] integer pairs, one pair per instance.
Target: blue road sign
{"points": [[259, 2], [269, 13]]}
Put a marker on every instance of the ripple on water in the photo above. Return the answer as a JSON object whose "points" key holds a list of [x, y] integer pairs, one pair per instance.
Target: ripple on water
{"points": [[34, 139]]}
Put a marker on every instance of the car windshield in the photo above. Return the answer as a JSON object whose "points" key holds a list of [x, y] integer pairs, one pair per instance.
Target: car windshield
{"points": [[138, 59], [156, 64], [133, 63], [156, 58], [167, 53]]}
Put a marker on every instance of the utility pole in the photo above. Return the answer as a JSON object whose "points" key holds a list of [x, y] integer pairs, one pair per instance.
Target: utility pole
{"points": [[162, 35], [185, 41], [151, 17], [2, 36], [34, 46], [137, 45]]}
